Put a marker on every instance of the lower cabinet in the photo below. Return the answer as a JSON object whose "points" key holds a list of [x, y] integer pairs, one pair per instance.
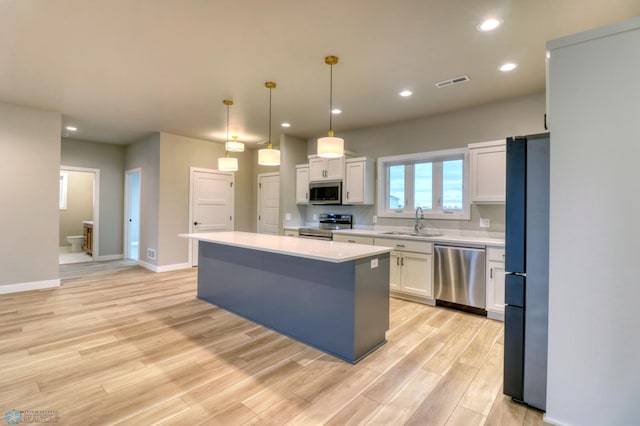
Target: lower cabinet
{"points": [[354, 239], [290, 232], [411, 267], [495, 283]]}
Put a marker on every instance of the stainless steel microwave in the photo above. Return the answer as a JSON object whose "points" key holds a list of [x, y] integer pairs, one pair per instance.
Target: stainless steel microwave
{"points": [[329, 192]]}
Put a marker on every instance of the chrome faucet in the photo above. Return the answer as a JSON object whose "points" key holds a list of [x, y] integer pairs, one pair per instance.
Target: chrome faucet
{"points": [[419, 216]]}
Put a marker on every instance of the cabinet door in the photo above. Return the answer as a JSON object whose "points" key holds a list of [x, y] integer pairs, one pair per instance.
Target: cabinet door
{"points": [[317, 168], [395, 270], [334, 168], [488, 174], [417, 275], [302, 185], [495, 286], [354, 187]]}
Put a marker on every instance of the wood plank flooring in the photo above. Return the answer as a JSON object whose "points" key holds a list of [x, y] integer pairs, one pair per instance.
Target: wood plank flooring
{"points": [[117, 344]]}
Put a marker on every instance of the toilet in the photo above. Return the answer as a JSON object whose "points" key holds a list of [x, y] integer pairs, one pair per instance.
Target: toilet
{"points": [[76, 242]]}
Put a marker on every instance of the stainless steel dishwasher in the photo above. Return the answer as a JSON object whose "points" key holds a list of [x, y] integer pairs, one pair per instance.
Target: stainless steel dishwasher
{"points": [[460, 277]]}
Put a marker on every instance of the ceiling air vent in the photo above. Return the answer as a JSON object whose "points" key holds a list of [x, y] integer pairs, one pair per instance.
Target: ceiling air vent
{"points": [[451, 81]]}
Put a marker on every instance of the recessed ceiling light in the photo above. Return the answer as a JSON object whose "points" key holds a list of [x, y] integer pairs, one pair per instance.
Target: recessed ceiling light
{"points": [[336, 111], [406, 93], [509, 66], [286, 125], [489, 24], [71, 128]]}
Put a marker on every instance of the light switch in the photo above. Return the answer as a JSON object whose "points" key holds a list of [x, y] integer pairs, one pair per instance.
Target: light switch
{"points": [[287, 216]]}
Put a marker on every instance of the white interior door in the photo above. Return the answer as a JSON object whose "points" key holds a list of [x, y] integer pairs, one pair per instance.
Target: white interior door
{"points": [[132, 214], [269, 203], [211, 204]]}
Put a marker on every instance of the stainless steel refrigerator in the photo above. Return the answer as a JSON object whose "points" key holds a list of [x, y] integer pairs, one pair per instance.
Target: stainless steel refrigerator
{"points": [[527, 270]]}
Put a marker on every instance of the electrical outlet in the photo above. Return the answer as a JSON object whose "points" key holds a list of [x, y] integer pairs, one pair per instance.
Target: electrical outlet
{"points": [[151, 253], [287, 216], [485, 222], [374, 263], [315, 216], [375, 219]]}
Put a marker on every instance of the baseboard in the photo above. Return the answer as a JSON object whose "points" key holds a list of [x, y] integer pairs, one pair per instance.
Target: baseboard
{"points": [[499, 316], [109, 257], [412, 298], [28, 286], [551, 421], [164, 268]]}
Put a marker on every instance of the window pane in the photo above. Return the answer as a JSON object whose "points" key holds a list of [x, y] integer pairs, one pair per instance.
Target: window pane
{"points": [[423, 194], [452, 174], [396, 187]]}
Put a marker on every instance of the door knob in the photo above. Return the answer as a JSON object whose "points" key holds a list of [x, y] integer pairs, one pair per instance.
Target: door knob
{"points": [[195, 223]]}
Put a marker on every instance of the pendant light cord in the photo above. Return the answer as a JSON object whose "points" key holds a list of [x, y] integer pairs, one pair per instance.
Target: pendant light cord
{"points": [[330, 98], [227, 140], [269, 143]]}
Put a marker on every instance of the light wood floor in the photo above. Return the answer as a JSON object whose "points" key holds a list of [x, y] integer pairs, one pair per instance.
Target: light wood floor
{"points": [[117, 344]]}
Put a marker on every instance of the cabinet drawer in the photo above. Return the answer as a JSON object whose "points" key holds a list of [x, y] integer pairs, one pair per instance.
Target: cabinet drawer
{"points": [[355, 239], [406, 245], [495, 254], [290, 233]]}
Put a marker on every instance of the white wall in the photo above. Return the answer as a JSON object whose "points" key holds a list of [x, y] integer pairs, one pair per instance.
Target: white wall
{"points": [[594, 289], [29, 172], [109, 159]]}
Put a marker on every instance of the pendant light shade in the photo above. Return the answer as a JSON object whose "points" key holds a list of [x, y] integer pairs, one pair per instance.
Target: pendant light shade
{"points": [[330, 146], [234, 145], [227, 163], [269, 156]]}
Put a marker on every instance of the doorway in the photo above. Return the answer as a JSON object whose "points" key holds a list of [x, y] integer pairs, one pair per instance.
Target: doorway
{"points": [[210, 204], [269, 203], [79, 201], [132, 214]]}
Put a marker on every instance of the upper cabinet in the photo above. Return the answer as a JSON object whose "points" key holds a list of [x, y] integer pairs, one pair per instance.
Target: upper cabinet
{"points": [[302, 184], [488, 171], [359, 181], [321, 169]]}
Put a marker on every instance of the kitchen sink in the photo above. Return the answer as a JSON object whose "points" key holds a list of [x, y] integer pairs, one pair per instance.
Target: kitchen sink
{"points": [[412, 234]]}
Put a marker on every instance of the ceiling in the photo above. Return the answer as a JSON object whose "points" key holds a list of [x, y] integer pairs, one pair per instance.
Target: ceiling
{"points": [[121, 69]]}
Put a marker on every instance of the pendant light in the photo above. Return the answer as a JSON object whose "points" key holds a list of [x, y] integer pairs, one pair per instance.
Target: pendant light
{"points": [[234, 145], [330, 146], [269, 156], [227, 163]]}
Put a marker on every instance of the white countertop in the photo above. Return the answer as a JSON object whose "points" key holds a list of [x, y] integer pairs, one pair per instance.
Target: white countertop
{"points": [[328, 251], [487, 241]]}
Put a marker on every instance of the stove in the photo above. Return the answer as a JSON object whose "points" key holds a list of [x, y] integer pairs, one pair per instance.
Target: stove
{"points": [[328, 222]]}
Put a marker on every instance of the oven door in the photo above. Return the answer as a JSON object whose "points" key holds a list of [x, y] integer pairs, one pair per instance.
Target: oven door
{"points": [[325, 193]]}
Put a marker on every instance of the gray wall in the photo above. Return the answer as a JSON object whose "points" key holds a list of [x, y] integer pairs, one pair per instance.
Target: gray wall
{"points": [[593, 374], [145, 154], [79, 205], [519, 116], [110, 160], [29, 172]]}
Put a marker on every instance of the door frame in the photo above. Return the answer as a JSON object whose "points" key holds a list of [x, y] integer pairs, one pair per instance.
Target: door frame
{"points": [[127, 177], [193, 170], [95, 252], [261, 175]]}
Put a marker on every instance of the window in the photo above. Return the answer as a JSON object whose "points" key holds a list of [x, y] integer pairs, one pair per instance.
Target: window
{"points": [[62, 201], [434, 181]]}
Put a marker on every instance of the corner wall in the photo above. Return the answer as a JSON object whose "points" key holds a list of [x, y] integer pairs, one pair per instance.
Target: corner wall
{"points": [[29, 172]]}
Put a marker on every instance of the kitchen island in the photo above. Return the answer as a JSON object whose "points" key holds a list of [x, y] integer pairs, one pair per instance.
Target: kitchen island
{"points": [[333, 296]]}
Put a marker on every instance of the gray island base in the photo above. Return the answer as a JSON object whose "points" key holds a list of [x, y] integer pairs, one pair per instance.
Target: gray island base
{"points": [[341, 308]]}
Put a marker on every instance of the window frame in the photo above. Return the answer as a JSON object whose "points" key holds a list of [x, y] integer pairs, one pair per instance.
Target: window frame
{"points": [[408, 160]]}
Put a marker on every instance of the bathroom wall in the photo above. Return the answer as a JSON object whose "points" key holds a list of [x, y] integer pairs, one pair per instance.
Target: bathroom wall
{"points": [[79, 204], [29, 172], [109, 159]]}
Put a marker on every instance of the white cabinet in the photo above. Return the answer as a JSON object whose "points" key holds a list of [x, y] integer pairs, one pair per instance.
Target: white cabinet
{"points": [[411, 267], [495, 283], [290, 232], [488, 171], [359, 181], [302, 184], [321, 169], [354, 239]]}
